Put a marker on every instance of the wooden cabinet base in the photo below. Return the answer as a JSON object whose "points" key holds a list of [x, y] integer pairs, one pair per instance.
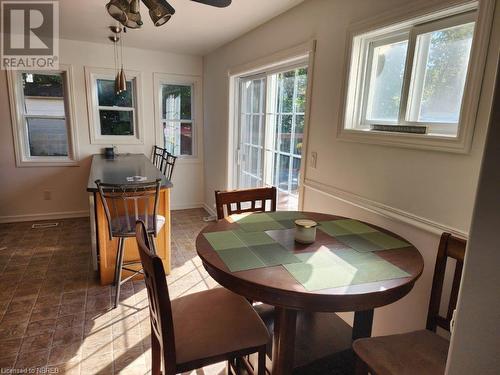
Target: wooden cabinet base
{"points": [[108, 248]]}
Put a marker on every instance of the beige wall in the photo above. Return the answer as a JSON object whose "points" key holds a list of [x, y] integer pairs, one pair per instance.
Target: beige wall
{"points": [[413, 192], [22, 188], [475, 345]]}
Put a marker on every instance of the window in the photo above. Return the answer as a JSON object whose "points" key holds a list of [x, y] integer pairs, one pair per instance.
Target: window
{"points": [[407, 82], [176, 118], [114, 117], [42, 118]]}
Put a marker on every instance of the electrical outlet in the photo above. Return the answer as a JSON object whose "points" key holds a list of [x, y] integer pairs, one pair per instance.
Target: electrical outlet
{"points": [[314, 159], [47, 195]]}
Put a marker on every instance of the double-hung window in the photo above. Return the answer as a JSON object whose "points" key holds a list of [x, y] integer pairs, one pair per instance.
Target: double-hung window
{"points": [[409, 79], [178, 120], [41, 110], [114, 117]]}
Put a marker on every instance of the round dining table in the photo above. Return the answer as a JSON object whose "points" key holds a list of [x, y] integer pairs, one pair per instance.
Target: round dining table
{"points": [[275, 286]]}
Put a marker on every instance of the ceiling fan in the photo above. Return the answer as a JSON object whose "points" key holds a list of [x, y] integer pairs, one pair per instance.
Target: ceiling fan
{"points": [[127, 12]]}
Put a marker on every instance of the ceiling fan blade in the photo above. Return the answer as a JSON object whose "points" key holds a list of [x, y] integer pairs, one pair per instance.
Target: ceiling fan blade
{"points": [[215, 3]]}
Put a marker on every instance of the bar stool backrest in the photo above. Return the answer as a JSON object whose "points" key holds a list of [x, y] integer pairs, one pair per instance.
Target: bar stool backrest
{"points": [[157, 156], [124, 204], [168, 164]]}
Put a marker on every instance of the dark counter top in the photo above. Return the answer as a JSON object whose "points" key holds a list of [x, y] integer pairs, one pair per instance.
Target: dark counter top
{"points": [[116, 171]]}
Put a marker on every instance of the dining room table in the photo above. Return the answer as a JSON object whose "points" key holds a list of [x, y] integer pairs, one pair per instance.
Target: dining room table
{"points": [[352, 266]]}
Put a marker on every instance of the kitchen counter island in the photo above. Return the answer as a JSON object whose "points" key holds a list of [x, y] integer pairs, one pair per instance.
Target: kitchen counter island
{"points": [[116, 171]]}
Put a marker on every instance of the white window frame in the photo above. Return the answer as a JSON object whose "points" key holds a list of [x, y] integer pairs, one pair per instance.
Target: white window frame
{"points": [[196, 110], [91, 76], [392, 25], [19, 127]]}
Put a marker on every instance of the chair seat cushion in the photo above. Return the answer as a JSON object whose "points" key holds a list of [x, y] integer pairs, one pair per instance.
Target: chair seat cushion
{"points": [[214, 322], [413, 353]]}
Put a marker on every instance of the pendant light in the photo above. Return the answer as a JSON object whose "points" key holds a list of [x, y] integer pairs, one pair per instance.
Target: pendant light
{"points": [[122, 80]]}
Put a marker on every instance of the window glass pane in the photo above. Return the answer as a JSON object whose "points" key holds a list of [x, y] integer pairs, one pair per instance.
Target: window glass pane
{"points": [[256, 130], [300, 103], [43, 94], [245, 128], [257, 92], [299, 134], [254, 161], [286, 133], [107, 96], [116, 122], [286, 84], [176, 102], [294, 189], [170, 137], [47, 137], [284, 168], [386, 81], [445, 54], [46, 85], [186, 139]]}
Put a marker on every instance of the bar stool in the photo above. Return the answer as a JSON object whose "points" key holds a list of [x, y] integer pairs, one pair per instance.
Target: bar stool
{"points": [[124, 204], [168, 164], [157, 156]]}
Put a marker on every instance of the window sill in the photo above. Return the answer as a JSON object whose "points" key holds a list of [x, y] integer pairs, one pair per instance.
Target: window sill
{"points": [[116, 140], [441, 143], [47, 163]]}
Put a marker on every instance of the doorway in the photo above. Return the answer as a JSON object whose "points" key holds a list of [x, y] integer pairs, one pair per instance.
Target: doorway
{"points": [[270, 132]]}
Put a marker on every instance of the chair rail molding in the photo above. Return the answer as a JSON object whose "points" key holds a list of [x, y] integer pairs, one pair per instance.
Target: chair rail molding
{"points": [[383, 209]]}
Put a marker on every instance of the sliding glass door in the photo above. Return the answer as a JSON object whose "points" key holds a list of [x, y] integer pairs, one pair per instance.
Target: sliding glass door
{"points": [[271, 132]]}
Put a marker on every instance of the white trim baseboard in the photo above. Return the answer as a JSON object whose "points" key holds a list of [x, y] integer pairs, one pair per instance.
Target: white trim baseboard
{"points": [[44, 216], [186, 206], [383, 209], [211, 211]]}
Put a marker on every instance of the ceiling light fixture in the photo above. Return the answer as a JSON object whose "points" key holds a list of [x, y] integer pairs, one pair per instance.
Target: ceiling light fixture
{"points": [[127, 12]]}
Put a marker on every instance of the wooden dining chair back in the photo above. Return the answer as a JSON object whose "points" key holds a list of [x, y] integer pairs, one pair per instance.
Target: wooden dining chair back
{"points": [[454, 248], [168, 164], [157, 156], [232, 201], [424, 351], [160, 309], [198, 329]]}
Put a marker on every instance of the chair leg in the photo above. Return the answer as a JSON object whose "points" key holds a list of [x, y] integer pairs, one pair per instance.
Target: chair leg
{"points": [[155, 355], [118, 269], [261, 365]]}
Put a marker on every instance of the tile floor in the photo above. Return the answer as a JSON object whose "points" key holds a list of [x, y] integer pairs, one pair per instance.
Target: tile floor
{"points": [[56, 318]]}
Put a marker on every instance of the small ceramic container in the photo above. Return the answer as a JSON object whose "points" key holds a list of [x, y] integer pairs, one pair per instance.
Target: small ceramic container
{"points": [[305, 231]]}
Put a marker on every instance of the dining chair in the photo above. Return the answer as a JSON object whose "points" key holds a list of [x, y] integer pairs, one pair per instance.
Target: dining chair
{"points": [[168, 164], [157, 156], [228, 199], [198, 329], [124, 204], [424, 351]]}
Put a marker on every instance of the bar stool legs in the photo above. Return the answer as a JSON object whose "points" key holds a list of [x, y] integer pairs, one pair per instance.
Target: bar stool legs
{"points": [[118, 269], [119, 266]]}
